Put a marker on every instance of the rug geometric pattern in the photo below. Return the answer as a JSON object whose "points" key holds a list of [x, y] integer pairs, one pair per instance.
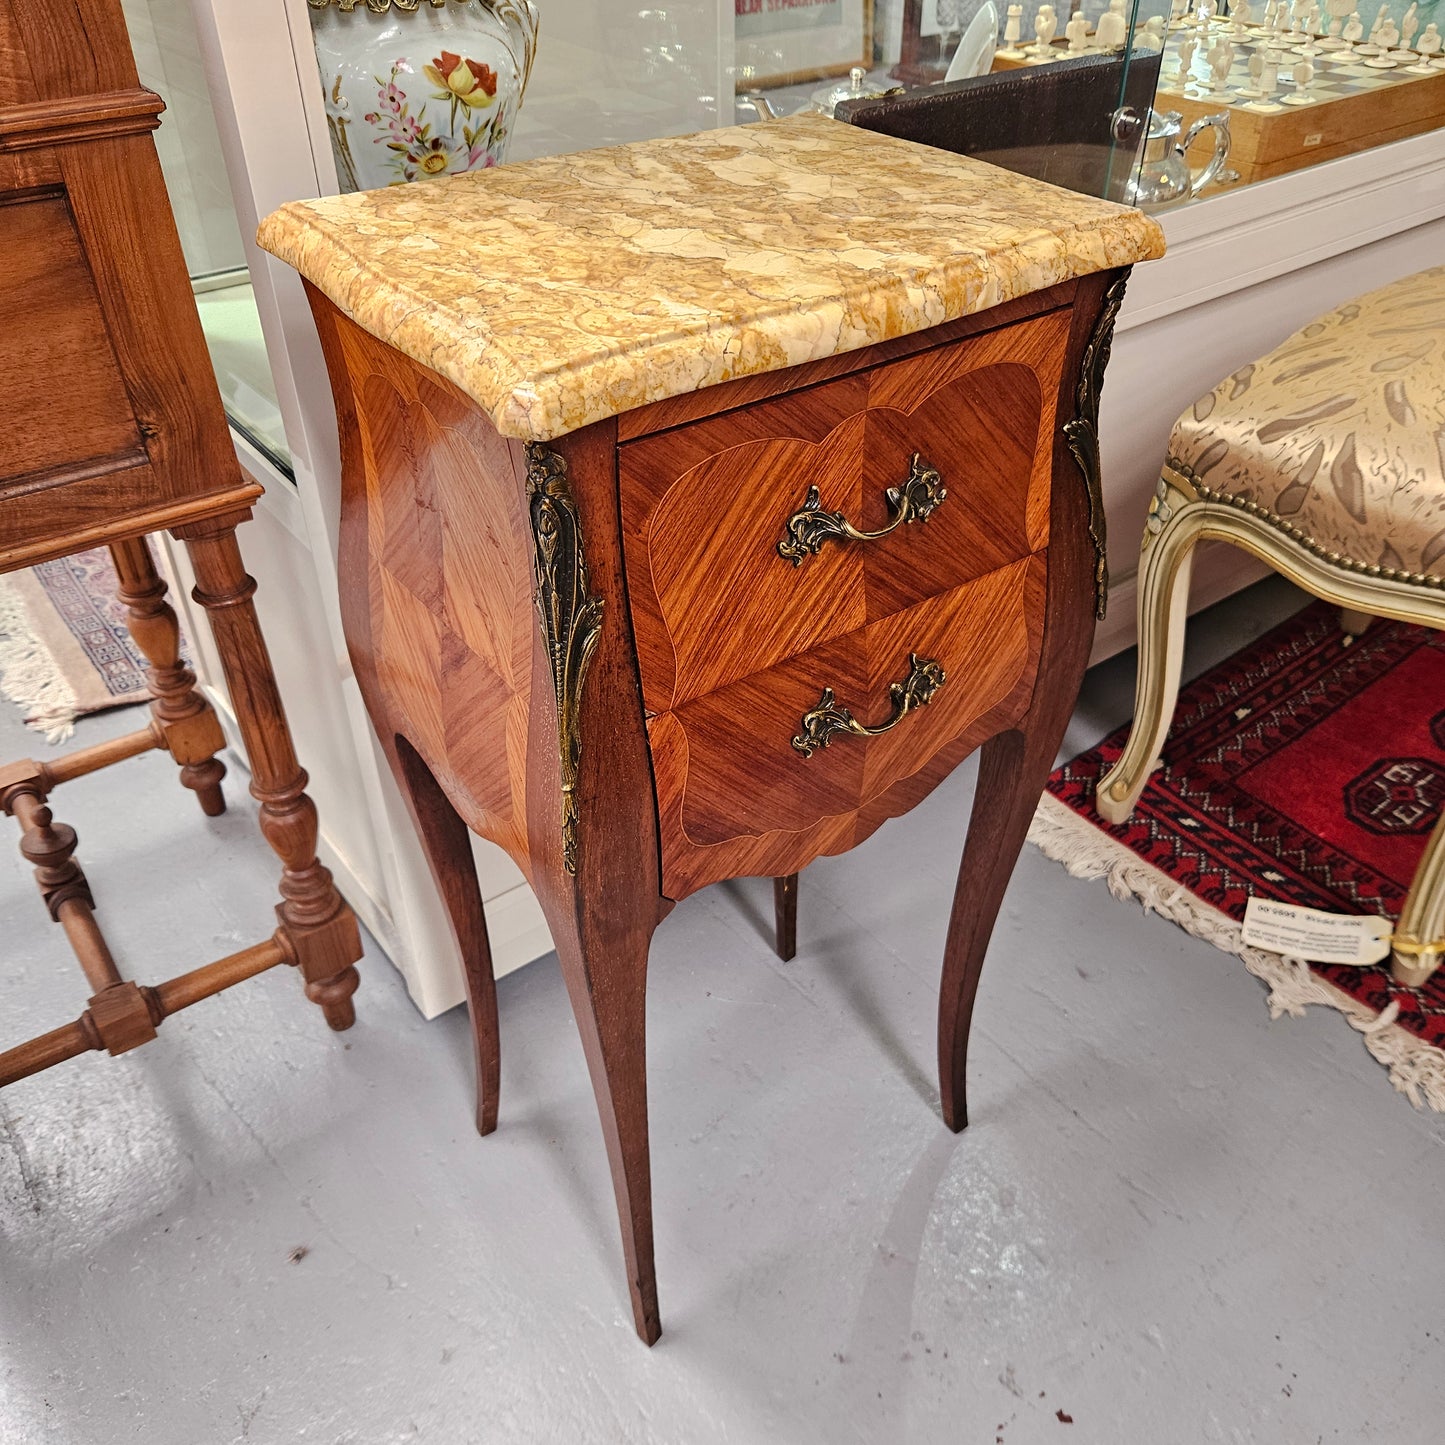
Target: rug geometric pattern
{"points": [[82, 589], [1309, 768]]}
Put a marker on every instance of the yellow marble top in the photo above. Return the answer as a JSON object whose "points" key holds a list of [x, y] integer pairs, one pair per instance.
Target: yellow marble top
{"points": [[556, 292]]}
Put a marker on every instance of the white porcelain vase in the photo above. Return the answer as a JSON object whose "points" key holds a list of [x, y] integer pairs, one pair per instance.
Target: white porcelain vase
{"points": [[421, 88]]}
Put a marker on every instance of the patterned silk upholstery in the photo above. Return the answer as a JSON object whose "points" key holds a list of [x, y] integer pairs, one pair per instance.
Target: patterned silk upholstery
{"points": [[1338, 435]]}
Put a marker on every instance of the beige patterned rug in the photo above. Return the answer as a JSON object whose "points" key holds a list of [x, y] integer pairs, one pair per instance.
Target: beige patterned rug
{"points": [[64, 648]]}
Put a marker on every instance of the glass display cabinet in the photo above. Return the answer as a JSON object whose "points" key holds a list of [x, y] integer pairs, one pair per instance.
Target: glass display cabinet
{"points": [[253, 120]]}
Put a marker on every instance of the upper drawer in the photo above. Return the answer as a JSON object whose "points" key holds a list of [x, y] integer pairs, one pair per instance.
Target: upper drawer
{"points": [[705, 506]]}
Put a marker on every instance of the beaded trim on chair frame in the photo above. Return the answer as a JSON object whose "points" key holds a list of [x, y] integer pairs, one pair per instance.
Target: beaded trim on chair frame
{"points": [[1335, 559]]}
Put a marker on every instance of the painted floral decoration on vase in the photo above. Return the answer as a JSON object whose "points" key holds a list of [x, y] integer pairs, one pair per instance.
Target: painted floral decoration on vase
{"points": [[396, 116]]}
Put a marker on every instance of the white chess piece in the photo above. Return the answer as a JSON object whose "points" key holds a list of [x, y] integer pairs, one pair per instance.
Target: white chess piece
{"points": [[1178, 9], [1077, 31], [1304, 79], [1425, 47], [1372, 45], [1256, 70], [1187, 46], [1271, 9], [1354, 28], [1243, 12], [1409, 25], [1269, 73], [1112, 27], [1338, 10], [1313, 17], [1220, 60], [1046, 26], [1012, 29], [1385, 38], [1151, 37]]}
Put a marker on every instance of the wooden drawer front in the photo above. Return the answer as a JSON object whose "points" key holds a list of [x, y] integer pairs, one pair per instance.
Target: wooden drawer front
{"points": [[734, 795], [705, 506]]}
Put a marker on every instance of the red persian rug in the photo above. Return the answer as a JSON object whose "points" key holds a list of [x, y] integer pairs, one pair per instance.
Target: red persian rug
{"points": [[1308, 768]]}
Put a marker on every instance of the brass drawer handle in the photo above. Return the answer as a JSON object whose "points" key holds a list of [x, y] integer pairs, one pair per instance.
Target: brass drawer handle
{"points": [[811, 525], [824, 722]]}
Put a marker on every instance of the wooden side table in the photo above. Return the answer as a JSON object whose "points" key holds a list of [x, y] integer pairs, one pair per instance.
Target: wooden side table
{"points": [[706, 501], [110, 428]]}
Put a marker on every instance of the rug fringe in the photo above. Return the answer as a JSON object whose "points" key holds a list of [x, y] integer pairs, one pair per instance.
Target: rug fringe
{"points": [[1416, 1068], [29, 674]]}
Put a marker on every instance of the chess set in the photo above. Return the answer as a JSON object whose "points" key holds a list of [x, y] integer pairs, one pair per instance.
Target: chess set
{"points": [[1300, 84]]}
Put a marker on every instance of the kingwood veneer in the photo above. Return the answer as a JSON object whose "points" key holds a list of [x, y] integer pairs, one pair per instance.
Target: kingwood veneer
{"points": [[637, 599], [111, 427]]}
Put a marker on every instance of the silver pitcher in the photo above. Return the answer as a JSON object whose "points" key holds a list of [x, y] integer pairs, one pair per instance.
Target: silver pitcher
{"points": [[1164, 178]]}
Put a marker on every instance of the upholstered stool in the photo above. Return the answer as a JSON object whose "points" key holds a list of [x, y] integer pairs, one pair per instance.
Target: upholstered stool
{"points": [[1325, 459]]}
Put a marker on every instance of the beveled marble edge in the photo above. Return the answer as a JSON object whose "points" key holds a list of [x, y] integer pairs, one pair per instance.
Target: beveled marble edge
{"points": [[585, 378]]}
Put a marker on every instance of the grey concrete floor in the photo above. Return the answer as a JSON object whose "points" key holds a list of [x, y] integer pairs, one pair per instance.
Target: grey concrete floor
{"points": [[1171, 1219]]}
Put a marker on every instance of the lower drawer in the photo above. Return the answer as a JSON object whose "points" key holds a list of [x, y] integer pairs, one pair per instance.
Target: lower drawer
{"points": [[737, 796]]}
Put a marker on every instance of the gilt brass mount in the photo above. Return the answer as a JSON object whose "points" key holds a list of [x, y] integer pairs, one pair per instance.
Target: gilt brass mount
{"points": [[823, 723], [571, 620], [1081, 432], [811, 525]]}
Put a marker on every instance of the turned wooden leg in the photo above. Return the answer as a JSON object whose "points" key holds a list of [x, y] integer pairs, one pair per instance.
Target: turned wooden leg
{"points": [[447, 843], [316, 926], [186, 721], [785, 915]]}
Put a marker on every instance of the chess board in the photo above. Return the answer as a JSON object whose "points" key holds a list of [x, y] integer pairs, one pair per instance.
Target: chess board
{"points": [[1349, 107]]}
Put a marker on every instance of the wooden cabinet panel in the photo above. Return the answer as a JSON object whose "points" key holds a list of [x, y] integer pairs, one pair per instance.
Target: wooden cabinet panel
{"points": [[704, 506], [446, 612], [735, 797], [61, 393], [109, 424]]}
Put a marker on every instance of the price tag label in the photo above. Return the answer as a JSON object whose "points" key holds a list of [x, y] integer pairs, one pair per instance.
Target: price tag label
{"points": [[1316, 936]]}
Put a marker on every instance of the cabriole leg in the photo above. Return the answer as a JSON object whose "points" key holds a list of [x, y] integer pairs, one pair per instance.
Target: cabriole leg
{"points": [[605, 969], [447, 842], [1164, 569], [1013, 768], [1422, 920]]}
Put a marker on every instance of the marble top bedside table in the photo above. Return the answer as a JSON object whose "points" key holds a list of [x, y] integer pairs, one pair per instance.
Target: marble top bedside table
{"points": [[706, 501]]}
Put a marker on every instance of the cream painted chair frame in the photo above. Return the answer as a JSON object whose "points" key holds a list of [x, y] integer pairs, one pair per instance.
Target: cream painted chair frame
{"points": [[1185, 512]]}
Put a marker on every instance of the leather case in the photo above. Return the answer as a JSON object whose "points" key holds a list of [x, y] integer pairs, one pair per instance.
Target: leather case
{"points": [[1076, 123]]}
